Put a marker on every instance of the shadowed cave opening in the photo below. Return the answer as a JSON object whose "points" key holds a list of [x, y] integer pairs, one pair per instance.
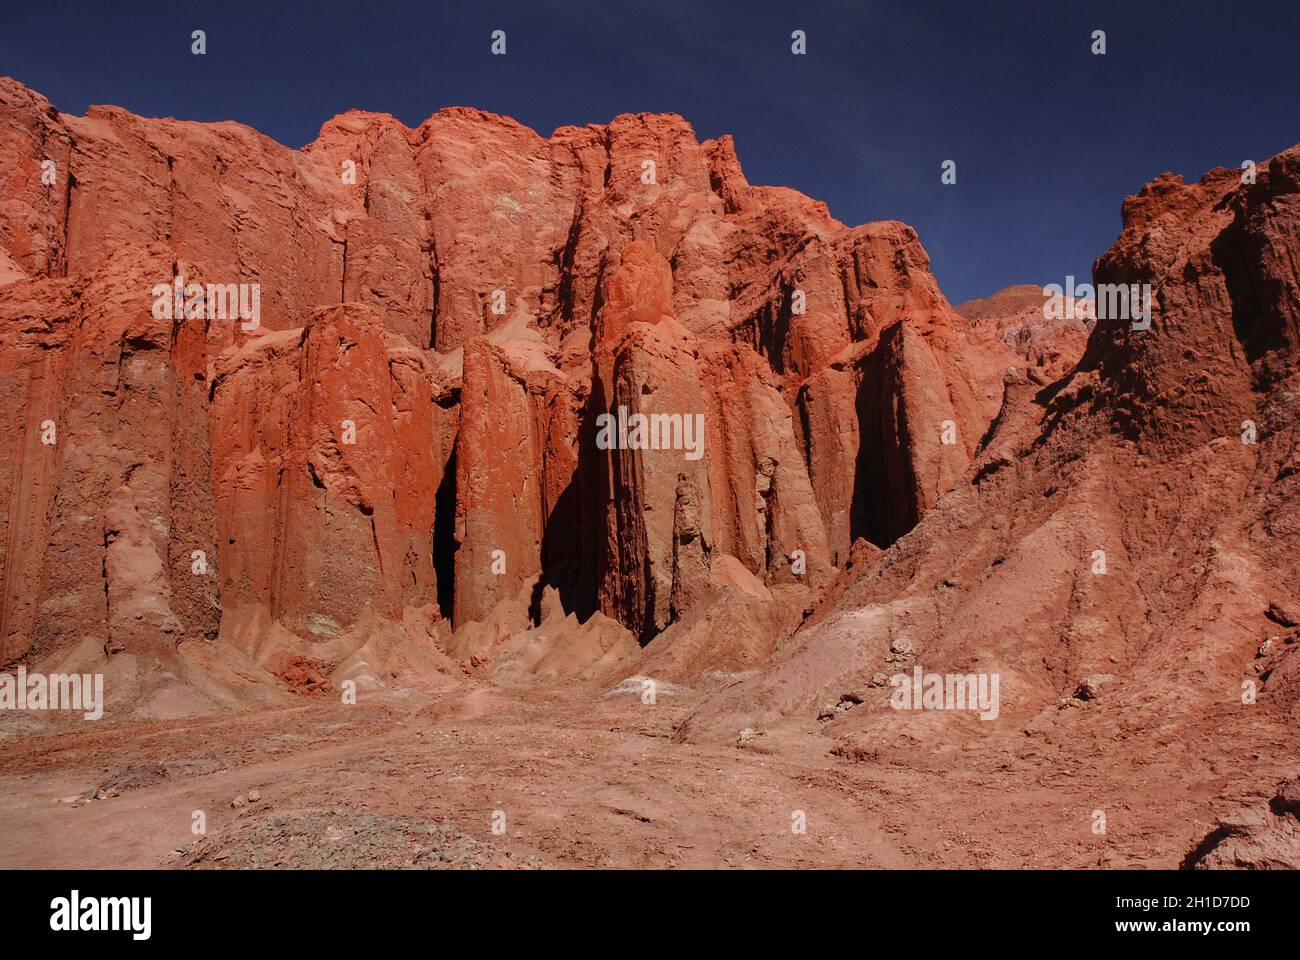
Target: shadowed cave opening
{"points": [[444, 538], [883, 506], [572, 548]]}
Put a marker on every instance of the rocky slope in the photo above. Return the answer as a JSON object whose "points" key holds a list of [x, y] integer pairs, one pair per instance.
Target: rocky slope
{"points": [[1124, 550], [390, 461]]}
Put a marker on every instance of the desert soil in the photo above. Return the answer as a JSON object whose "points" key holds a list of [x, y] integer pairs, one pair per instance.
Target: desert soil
{"points": [[415, 779]]}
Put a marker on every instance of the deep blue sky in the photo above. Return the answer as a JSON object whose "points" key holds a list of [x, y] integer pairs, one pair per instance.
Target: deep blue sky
{"points": [[1048, 138]]}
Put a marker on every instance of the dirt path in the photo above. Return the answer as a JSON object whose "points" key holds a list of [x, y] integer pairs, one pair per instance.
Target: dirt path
{"points": [[424, 780]]}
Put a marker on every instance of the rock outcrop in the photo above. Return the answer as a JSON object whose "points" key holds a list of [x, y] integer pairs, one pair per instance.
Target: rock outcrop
{"points": [[342, 405], [1254, 838], [1138, 519], [1048, 336]]}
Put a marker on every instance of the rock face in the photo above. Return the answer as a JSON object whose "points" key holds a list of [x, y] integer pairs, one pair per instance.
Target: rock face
{"points": [[1137, 521], [463, 400], [1258, 838], [1048, 337], [328, 408]]}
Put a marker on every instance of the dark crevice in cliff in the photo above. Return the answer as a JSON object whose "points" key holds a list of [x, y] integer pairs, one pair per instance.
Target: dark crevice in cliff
{"points": [[882, 508], [572, 536], [1242, 253], [804, 429], [772, 328], [563, 568], [171, 199], [67, 216], [444, 538], [609, 157], [103, 572], [369, 514], [598, 295], [564, 260]]}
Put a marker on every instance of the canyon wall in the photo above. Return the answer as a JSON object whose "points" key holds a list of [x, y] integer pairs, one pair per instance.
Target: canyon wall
{"points": [[404, 439]]}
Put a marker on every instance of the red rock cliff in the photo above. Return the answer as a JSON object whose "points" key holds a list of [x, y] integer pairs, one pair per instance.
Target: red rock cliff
{"points": [[402, 441]]}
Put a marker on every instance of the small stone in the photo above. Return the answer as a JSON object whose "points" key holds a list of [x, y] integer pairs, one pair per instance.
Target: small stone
{"points": [[1268, 647], [879, 679], [1287, 799], [1284, 613], [902, 647], [254, 796], [105, 794], [827, 712], [1241, 822], [238, 802], [1090, 686]]}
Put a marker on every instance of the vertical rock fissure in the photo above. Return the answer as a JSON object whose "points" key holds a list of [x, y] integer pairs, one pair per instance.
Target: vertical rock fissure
{"points": [[67, 216], [444, 538], [436, 281]]}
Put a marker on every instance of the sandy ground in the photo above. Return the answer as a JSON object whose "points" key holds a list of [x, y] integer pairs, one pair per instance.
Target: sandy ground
{"points": [[417, 779]]}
